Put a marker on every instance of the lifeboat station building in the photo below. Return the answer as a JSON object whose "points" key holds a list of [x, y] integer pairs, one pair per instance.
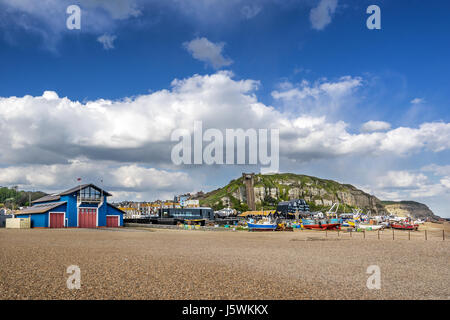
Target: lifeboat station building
{"points": [[83, 206]]}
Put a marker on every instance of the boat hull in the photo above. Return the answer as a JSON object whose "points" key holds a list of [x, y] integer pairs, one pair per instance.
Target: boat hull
{"points": [[321, 224], [371, 227], [404, 227], [255, 226]]}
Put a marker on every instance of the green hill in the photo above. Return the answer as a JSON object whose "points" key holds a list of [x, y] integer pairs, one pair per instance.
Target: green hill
{"points": [[270, 189]]}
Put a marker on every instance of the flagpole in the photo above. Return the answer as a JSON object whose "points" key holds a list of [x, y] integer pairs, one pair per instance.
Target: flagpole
{"points": [[79, 179]]}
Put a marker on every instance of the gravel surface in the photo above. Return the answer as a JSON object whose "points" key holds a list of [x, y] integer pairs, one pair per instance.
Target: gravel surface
{"points": [[178, 264]]}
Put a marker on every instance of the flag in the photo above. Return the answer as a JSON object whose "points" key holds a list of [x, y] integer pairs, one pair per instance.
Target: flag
{"points": [[78, 179]]}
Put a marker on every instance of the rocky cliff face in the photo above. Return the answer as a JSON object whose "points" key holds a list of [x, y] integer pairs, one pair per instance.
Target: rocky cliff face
{"points": [[319, 193], [409, 208]]}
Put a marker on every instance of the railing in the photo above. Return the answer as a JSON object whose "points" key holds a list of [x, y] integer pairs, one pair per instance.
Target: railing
{"points": [[89, 199], [386, 234]]}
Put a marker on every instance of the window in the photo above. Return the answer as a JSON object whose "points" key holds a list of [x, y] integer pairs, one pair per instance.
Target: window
{"points": [[90, 193]]}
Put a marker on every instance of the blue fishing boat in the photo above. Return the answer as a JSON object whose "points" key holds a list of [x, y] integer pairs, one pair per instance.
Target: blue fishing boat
{"points": [[264, 224]]}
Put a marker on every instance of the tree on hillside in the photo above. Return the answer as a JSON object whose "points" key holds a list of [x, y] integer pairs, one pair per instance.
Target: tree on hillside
{"points": [[13, 198]]}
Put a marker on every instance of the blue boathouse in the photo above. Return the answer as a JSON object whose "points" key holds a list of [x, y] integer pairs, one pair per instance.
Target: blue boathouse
{"points": [[84, 206]]}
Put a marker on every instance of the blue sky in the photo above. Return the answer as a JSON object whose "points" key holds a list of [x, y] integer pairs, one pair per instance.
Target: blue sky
{"points": [[396, 76]]}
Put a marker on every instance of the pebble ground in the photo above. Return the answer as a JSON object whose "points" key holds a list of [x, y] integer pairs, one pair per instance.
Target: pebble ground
{"points": [[181, 264]]}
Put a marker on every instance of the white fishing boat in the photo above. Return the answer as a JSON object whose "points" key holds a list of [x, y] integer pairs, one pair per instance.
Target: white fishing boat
{"points": [[262, 224], [370, 227]]}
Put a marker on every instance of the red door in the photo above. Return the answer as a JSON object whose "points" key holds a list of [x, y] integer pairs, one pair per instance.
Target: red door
{"points": [[87, 218], [56, 220], [112, 222]]}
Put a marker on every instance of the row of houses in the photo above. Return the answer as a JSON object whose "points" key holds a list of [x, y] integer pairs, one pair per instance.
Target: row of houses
{"points": [[142, 209], [84, 206]]}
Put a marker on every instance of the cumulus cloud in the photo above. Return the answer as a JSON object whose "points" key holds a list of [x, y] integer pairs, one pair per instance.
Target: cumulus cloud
{"points": [[321, 97], [404, 184], [121, 141], [437, 169], [126, 178], [343, 86], [206, 51], [321, 15], [372, 126], [402, 179], [399, 185], [446, 182], [54, 129], [107, 41]]}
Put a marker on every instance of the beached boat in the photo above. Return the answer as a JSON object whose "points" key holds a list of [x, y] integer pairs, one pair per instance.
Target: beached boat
{"points": [[351, 223], [263, 224], [334, 223], [323, 224], [404, 226], [311, 224], [370, 227]]}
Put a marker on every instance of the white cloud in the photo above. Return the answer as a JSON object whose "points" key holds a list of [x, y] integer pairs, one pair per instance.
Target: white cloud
{"points": [[44, 18], [417, 101], [407, 185], [50, 95], [443, 172], [401, 179], [321, 97], [342, 87], [211, 53], [250, 11], [372, 126], [48, 129], [321, 15], [117, 9], [432, 136], [123, 140], [446, 182], [107, 41], [129, 178], [437, 169], [410, 185]]}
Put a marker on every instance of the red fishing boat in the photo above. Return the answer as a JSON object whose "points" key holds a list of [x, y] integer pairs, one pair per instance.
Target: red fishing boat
{"points": [[322, 224], [404, 226]]}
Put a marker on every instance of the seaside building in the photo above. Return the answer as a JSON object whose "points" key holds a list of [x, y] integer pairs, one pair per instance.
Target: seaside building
{"points": [[84, 206], [292, 207], [183, 214]]}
